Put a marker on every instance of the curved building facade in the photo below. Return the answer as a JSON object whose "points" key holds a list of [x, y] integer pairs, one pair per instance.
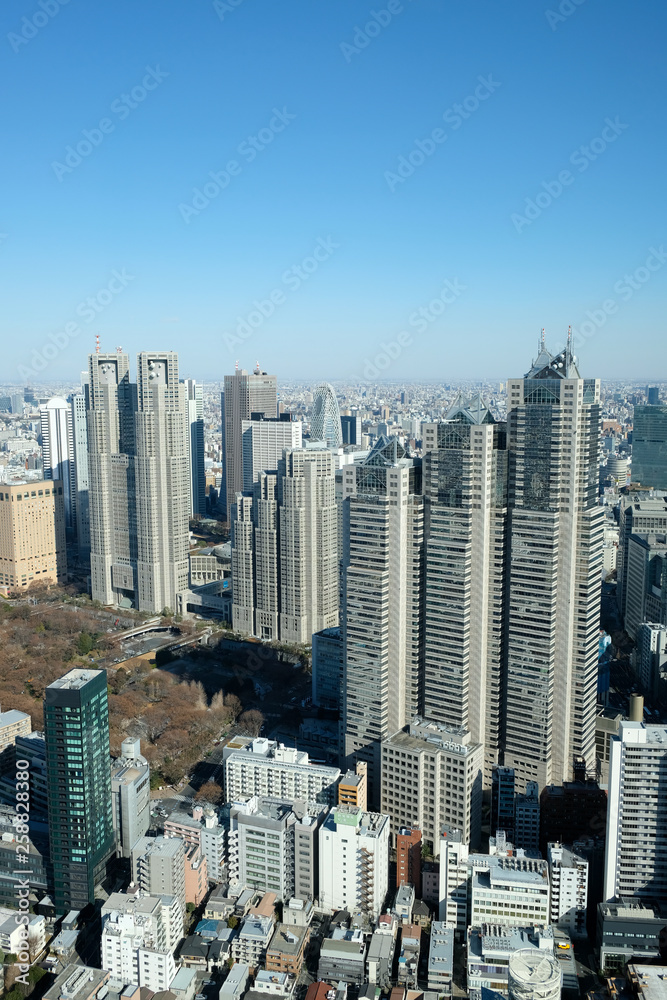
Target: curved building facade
{"points": [[325, 424]]}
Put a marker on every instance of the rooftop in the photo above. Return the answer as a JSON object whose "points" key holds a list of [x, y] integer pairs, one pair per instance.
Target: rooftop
{"points": [[11, 717], [75, 679]]}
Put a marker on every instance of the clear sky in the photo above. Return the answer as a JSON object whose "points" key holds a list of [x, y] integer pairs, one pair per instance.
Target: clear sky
{"points": [[303, 109]]}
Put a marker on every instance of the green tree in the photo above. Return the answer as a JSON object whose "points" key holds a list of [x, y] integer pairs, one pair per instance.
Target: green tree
{"points": [[85, 643]]}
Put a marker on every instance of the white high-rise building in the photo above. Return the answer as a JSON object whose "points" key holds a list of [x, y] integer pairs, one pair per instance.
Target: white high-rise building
{"points": [[138, 452], [58, 453], [130, 796], [263, 444], [195, 411], [80, 439], [636, 848], [354, 860], [383, 529], [285, 550], [139, 936], [465, 485], [651, 656], [568, 877], [555, 561]]}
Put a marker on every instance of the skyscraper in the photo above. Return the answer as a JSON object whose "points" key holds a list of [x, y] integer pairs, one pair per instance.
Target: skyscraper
{"points": [[58, 453], [382, 617], [76, 728], [465, 486], [263, 444], [285, 550], [636, 848], [649, 446], [325, 424], [195, 410], [138, 452], [554, 566], [243, 395], [32, 535], [80, 440]]}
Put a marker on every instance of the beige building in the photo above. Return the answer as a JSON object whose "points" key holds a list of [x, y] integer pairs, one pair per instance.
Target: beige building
{"points": [[12, 724], [32, 534]]}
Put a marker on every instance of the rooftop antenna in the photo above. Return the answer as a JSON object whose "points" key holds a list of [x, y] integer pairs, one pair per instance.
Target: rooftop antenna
{"points": [[236, 366], [569, 339], [119, 350], [97, 343], [257, 366]]}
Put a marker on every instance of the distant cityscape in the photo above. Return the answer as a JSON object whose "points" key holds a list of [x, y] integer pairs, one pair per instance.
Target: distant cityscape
{"points": [[327, 690]]}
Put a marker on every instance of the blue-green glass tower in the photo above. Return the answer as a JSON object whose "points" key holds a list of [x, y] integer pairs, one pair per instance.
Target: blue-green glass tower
{"points": [[76, 727]]}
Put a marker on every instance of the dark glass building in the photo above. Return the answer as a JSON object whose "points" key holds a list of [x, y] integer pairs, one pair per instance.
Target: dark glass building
{"points": [[76, 728], [649, 446]]}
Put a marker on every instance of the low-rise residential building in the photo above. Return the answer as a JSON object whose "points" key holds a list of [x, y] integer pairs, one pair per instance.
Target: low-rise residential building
{"points": [[568, 877], [158, 866], [275, 984], [353, 787], [236, 982], [13, 937], [404, 902], [441, 959], [409, 858], [354, 860], [453, 881], [380, 959], [265, 768], [287, 948], [408, 959], [432, 776], [343, 956], [12, 724], [252, 941]]}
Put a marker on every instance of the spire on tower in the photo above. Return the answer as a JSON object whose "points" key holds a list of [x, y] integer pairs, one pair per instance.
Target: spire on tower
{"points": [[97, 343]]}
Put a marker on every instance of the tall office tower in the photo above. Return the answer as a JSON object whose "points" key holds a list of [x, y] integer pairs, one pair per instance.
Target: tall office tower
{"points": [[636, 849], [651, 657], [649, 446], [32, 535], [82, 479], [465, 486], [308, 544], [325, 423], [555, 561], [645, 581], [653, 395], [76, 729], [351, 429], [195, 410], [382, 603], [285, 551], [263, 443], [502, 802], [637, 516], [527, 818], [130, 796], [139, 481], [58, 453], [243, 395]]}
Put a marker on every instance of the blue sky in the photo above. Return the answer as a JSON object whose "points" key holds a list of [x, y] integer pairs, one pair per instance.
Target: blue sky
{"points": [[356, 86]]}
